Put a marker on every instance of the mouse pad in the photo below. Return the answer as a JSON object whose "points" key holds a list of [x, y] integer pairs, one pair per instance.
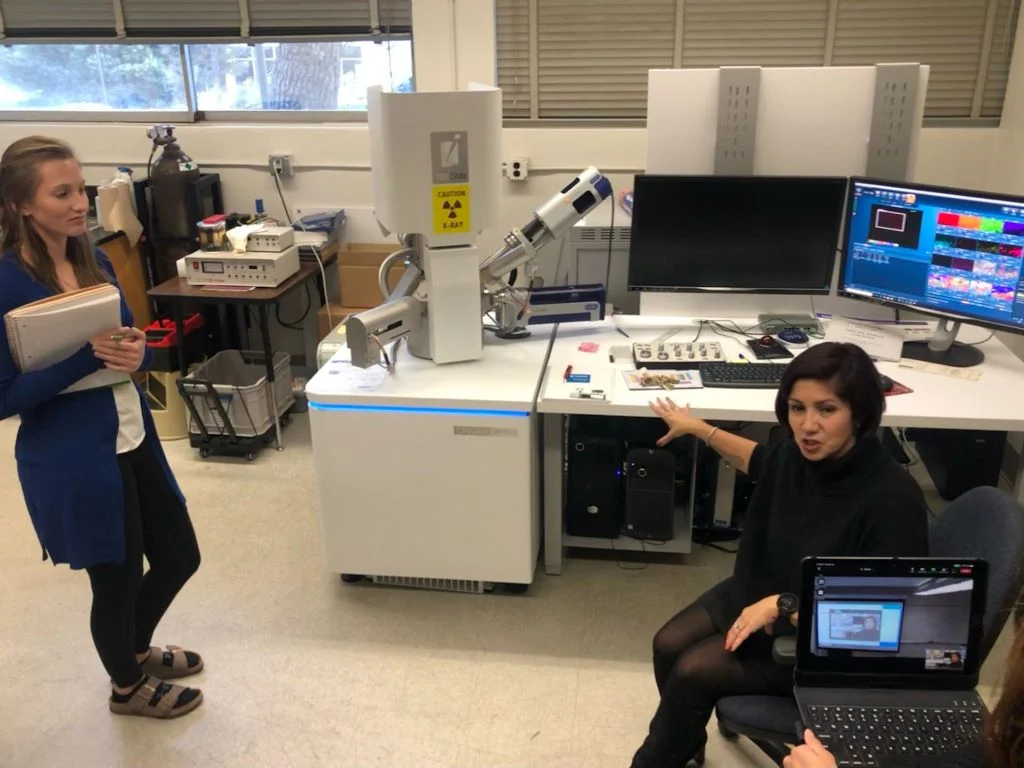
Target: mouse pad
{"points": [[898, 389]]}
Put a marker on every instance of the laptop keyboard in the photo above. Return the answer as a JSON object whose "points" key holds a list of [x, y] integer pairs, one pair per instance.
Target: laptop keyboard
{"points": [[859, 736]]}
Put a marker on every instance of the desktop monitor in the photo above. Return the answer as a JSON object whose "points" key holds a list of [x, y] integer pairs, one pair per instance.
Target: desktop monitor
{"points": [[946, 252], [770, 234]]}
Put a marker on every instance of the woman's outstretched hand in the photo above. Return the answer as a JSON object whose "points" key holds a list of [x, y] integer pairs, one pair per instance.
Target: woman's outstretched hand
{"points": [[679, 420]]}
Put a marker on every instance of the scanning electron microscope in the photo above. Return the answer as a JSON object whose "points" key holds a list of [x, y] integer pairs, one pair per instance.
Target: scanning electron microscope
{"points": [[443, 185], [405, 448]]}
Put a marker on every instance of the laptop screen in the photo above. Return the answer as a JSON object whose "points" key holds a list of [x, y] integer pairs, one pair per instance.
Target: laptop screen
{"points": [[887, 616]]}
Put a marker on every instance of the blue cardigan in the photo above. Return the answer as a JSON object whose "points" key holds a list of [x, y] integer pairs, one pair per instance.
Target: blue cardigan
{"points": [[67, 444]]}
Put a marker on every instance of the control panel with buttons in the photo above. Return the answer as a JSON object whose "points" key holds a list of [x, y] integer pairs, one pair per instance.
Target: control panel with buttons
{"points": [[676, 355], [261, 270]]}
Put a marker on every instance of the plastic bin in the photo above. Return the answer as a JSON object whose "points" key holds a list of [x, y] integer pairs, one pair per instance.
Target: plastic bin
{"points": [[238, 381]]}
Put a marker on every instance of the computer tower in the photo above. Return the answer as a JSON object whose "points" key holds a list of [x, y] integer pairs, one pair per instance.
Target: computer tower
{"points": [[650, 494], [958, 459], [593, 484]]}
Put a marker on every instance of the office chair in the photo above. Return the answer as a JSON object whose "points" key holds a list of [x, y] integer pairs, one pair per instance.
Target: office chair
{"points": [[984, 523]]}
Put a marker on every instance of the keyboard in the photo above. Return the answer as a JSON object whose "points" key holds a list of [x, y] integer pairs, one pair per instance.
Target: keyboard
{"points": [[859, 736], [742, 375]]}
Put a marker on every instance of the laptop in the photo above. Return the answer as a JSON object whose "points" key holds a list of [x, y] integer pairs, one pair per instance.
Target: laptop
{"points": [[888, 654]]}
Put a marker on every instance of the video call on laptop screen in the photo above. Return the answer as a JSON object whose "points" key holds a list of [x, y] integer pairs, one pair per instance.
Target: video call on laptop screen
{"points": [[894, 616]]}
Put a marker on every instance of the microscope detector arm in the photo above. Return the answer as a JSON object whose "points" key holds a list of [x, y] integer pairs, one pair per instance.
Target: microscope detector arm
{"points": [[550, 221]]}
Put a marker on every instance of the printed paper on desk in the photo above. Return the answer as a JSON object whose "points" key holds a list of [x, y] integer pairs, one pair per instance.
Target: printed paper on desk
{"points": [[880, 342], [352, 379]]}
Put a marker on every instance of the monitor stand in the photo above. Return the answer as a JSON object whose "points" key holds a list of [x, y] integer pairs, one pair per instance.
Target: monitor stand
{"points": [[942, 348]]}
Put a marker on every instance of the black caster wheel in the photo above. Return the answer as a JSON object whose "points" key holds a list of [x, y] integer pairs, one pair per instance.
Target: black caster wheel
{"points": [[516, 589], [204, 453], [250, 456], [351, 578], [726, 734], [286, 420]]}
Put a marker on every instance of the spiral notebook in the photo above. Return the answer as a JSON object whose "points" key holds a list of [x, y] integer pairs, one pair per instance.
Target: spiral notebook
{"points": [[52, 329]]}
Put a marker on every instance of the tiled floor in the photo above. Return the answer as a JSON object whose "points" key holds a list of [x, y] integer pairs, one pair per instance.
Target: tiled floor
{"points": [[304, 671]]}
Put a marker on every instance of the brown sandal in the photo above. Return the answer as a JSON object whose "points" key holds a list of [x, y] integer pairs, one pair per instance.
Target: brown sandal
{"points": [[155, 698], [171, 663]]}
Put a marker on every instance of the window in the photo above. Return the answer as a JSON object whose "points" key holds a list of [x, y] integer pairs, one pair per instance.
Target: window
{"points": [[588, 59], [291, 56], [88, 78], [297, 76]]}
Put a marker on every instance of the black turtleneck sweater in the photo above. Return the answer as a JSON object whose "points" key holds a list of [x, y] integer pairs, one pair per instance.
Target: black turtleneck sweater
{"points": [[862, 503]]}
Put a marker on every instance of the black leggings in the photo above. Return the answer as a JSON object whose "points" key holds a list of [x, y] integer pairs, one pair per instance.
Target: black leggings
{"points": [[127, 605], [693, 671]]}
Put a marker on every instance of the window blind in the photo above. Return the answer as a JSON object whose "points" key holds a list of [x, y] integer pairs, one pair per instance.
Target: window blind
{"points": [[513, 43], [945, 34], [784, 33], [589, 58], [192, 19], [181, 18], [325, 16], [593, 55], [64, 18], [999, 58], [395, 13]]}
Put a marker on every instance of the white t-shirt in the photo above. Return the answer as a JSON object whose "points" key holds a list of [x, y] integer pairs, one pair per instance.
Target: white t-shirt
{"points": [[131, 430]]}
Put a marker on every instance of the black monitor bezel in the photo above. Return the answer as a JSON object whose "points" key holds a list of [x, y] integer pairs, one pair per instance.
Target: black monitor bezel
{"points": [[823, 671], [825, 291], [909, 186]]}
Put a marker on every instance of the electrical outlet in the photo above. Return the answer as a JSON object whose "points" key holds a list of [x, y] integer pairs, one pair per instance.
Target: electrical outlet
{"points": [[517, 168], [280, 164]]}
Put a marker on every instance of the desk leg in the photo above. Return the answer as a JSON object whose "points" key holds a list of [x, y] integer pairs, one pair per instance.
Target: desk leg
{"points": [[554, 467], [179, 334], [268, 352]]}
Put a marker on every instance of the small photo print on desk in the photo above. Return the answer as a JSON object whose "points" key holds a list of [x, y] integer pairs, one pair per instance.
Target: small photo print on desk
{"points": [[663, 380]]}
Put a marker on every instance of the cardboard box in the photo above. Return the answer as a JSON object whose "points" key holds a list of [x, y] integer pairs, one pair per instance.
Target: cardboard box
{"points": [[358, 264], [338, 313]]}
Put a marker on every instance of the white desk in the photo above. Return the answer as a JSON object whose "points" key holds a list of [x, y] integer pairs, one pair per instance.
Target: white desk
{"points": [[991, 403], [432, 473]]}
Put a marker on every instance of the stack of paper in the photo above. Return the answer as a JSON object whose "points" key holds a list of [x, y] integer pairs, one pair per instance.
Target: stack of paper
{"points": [[52, 329]]}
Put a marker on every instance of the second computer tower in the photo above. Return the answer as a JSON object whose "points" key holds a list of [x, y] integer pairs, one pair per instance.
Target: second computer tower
{"points": [[650, 494]]}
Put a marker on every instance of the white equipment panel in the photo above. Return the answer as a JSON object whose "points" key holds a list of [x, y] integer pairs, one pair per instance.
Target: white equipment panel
{"points": [[262, 270]]}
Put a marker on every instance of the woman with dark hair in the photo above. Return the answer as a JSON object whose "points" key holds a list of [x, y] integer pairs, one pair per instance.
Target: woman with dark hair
{"points": [[95, 479], [1001, 746], [828, 488]]}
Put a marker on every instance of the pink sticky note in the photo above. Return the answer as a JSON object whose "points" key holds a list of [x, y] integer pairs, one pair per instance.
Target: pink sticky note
{"points": [[589, 346]]}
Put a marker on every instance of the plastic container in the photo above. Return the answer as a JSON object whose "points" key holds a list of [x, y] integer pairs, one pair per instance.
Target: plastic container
{"points": [[212, 233], [229, 394]]}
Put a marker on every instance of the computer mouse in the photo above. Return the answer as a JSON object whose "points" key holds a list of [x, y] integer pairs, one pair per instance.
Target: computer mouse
{"points": [[887, 383], [766, 341], [793, 336]]}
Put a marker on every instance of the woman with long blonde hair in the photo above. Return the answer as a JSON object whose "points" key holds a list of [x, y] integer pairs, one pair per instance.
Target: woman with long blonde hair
{"points": [[95, 480]]}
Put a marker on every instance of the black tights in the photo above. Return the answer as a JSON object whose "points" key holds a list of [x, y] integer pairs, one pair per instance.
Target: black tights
{"points": [[127, 605], [693, 671]]}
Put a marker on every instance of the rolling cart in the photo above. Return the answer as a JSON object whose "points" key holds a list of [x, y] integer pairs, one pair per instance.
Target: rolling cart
{"points": [[232, 406]]}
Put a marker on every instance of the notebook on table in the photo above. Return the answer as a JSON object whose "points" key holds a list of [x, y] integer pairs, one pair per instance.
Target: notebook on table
{"points": [[888, 655], [47, 331]]}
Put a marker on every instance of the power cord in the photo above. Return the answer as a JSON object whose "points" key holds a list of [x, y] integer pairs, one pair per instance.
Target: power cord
{"points": [[611, 239], [297, 324], [315, 249]]}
